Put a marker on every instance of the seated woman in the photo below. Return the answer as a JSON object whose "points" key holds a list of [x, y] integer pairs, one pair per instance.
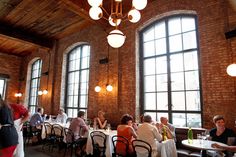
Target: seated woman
{"points": [[100, 121], [126, 130]]}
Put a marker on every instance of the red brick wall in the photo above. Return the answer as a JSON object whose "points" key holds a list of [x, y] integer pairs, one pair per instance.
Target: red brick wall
{"points": [[218, 89], [10, 66]]}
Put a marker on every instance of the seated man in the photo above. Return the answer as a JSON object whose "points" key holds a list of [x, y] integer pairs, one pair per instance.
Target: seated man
{"points": [[61, 117], [36, 122], [80, 129], [149, 133], [169, 127]]}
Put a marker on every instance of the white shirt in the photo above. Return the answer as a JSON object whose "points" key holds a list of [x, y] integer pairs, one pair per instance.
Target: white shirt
{"points": [[149, 133], [61, 118]]}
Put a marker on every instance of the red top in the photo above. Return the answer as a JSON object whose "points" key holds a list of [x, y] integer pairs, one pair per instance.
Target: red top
{"points": [[19, 111], [120, 148]]}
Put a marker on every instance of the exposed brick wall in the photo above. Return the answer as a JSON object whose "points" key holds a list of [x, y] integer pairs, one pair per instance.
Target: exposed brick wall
{"points": [[218, 89], [10, 66]]}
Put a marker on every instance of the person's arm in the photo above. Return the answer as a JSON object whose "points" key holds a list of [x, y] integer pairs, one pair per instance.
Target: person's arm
{"points": [[229, 148], [102, 126], [156, 133], [133, 132], [169, 133]]}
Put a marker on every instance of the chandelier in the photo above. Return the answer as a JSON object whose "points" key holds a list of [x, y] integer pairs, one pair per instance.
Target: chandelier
{"points": [[116, 38]]}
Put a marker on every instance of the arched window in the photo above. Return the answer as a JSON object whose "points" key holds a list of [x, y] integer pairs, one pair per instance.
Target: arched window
{"points": [[77, 78], [34, 85], [170, 83]]}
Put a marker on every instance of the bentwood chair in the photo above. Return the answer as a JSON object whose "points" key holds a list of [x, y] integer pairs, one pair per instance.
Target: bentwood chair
{"points": [[123, 143], [142, 148], [99, 143]]}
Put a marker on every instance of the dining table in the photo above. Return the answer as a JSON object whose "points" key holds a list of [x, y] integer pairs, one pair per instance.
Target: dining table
{"points": [[109, 146], [204, 145]]}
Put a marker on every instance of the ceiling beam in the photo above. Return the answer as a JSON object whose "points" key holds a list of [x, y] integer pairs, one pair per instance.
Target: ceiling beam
{"points": [[24, 36], [81, 8]]}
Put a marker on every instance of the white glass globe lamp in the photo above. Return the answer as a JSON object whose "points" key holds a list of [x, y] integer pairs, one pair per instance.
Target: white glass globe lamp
{"points": [[116, 38], [109, 88], [97, 89], [45, 91], [134, 15], [95, 3], [139, 4], [95, 13], [114, 22], [231, 70], [40, 92]]}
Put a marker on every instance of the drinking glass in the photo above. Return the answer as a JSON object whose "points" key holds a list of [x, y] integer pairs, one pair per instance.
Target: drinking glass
{"points": [[199, 137], [108, 127]]}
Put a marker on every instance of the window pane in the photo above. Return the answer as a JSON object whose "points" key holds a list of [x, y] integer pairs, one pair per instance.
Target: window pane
{"points": [[178, 101], [189, 40], [69, 101], [194, 120], [83, 88], [188, 24], [175, 43], [85, 62], [150, 101], [192, 80], [83, 101], [149, 66], [148, 35], [71, 65], [84, 76], [177, 81], [191, 61], [149, 49], [193, 101], [176, 62], [149, 83], [161, 65], [179, 119], [161, 82], [174, 26], [160, 30], [85, 51], [160, 46], [162, 101]]}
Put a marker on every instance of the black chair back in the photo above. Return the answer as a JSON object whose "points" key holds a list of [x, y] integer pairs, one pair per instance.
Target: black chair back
{"points": [[123, 142], [142, 147], [99, 143]]}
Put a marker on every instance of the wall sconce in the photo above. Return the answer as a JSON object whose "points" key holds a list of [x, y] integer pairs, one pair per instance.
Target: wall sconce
{"points": [[44, 92], [18, 94], [231, 70], [109, 88], [97, 89]]}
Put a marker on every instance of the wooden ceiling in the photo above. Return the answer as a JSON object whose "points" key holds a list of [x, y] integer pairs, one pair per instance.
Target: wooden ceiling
{"points": [[26, 25]]}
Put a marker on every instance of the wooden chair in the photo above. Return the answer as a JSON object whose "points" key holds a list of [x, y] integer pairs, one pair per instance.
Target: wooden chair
{"points": [[142, 147], [123, 142], [99, 143]]}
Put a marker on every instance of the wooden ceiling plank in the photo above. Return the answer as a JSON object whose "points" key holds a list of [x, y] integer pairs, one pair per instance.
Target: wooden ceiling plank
{"points": [[24, 36], [73, 28], [6, 6]]}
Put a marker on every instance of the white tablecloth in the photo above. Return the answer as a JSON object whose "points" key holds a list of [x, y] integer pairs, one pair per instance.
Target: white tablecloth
{"points": [[43, 135], [109, 146], [167, 148]]}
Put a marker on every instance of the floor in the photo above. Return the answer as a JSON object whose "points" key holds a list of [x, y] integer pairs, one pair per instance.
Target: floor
{"points": [[37, 151]]}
